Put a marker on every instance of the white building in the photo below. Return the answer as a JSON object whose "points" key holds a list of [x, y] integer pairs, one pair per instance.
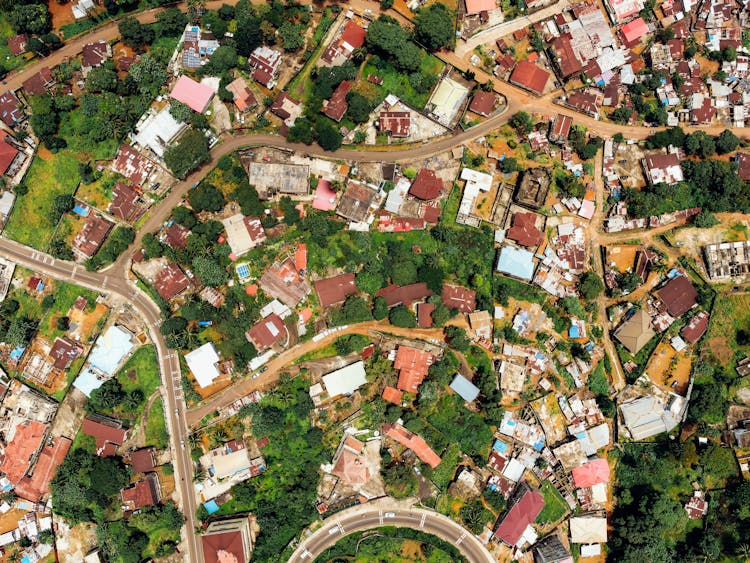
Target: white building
{"points": [[203, 364]]}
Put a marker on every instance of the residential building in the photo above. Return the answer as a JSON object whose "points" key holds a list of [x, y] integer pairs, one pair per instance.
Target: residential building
{"points": [[143, 460], [392, 395], [272, 178], [514, 528], [17, 44], [243, 233], [63, 352], [533, 189], [91, 236], [413, 442], [588, 101], [647, 416], [635, 332], [284, 281], [349, 463], [481, 324], [131, 164], [39, 83], [335, 289], [516, 262], [10, 109], [335, 107], [196, 95], [727, 260], [156, 131], [286, 108], [404, 295], [551, 550], [265, 62], [171, 281], [229, 540], [340, 50], [94, 54], [244, 98], [588, 529], [395, 123], [427, 185], [483, 103], [108, 433], [21, 450], [267, 332], [560, 130], [594, 472], [413, 365], [633, 31], [355, 203], [144, 492], [464, 388], [127, 203], [529, 76], [175, 236], [203, 363], [459, 298], [36, 486], [345, 381], [524, 230], [11, 159], [678, 296], [663, 168], [695, 328]]}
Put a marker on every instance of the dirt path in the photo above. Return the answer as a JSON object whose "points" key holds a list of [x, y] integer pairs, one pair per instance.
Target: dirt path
{"points": [[137, 438]]}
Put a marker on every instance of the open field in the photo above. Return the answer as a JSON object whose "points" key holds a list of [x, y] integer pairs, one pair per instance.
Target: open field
{"points": [[555, 506], [730, 313], [156, 426]]}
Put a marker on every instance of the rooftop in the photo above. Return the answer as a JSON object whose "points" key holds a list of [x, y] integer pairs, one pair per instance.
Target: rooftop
{"points": [[335, 289], [203, 364], [193, 94]]}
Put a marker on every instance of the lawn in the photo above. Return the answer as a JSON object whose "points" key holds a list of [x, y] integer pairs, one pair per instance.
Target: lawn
{"points": [[65, 296], [397, 83], [31, 222], [731, 312], [555, 506], [156, 426], [141, 371], [10, 62], [83, 147], [99, 193]]}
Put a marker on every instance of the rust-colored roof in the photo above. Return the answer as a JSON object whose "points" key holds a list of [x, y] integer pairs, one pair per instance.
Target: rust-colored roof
{"points": [[51, 457], [524, 230], [91, 236], [106, 436], [223, 548], [63, 352], [171, 281], [21, 449], [413, 365], [529, 76], [335, 289], [458, 297], [426, 185], [142, 460], [424, 315], [17, 44], [678, 295], [126, 203], [300, 257], [7, 154], [405, 294], [37, 84], [696, 328], [392, 395], [267, 332], [176, 235], [483, 103], [350, 468], [143, 493], [523, 513], [337, 105], [414, 442]]}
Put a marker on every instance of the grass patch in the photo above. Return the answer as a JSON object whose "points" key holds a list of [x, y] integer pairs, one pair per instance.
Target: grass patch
{"points": [[84, 442], [72, 129], [141, 371], [555, 506], [99, 193], [156, 426], [65, 296], [397, 83], [300, 86], [31, 222], [598, 380], [325, 352]]}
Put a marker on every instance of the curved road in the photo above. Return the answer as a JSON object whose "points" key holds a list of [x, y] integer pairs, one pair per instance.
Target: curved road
{"points": [[373, 515]]}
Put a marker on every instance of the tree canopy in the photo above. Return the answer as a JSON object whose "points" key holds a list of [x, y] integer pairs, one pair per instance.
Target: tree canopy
{"points": [[434, 27]]}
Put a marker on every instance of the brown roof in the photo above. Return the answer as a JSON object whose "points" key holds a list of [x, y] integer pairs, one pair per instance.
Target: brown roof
{"points": [[243, 97], [21, 449], [355, 202], [561, 128], [336, 106], [277, 107], [397, 123], [92, 235], [51, 457], [63, 352], [142, 460], [424, 315], [17, 43], [405, 294], [171, 281], [350, 468], [523, 513], [176, 235], [94, 54], [10, 109], [126, 203], [743, 163], [414, 442], [426, 185], [413, 365], [143, 493], [524, 230], [223, 548], [267, 332], [483, 103], [529, 76], [263, 77], [37, 84], [696, 328], [392, 395], [105, 435], [133, 165], [565, 56], [458, 297], [335, 289], [678, 295]]}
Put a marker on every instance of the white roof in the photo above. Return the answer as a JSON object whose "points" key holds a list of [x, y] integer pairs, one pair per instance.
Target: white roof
{"points": [[599, 493], [228, 464], [157, 131], [588, 529], [346, 380], [593, 550], [238, 236], [646, 417], [6, 203], [514, 470], [277, 307], [202, 363], [481, 180]]}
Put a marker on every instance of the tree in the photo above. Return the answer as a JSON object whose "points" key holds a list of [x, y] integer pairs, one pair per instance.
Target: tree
{"points": [[180, 111], [20, 331], [30, 18], [248, 199], [456, 337], [359, 108], [223, 59], [188, 154], [403, 317], [354, 310], [379, 308], [148, 74], [707, 404], [726, 142], [61, 205], [700, 143], [328, 137], [170, 22], [134, 33], [403, 272], [101, 79], [400, 481], [509, 165], [369, 280], [705, 219], [590, 285], [209, 272], [386, 37], [301, 132], [62, 323], [292, 35], [248, 35], [522, 121], [106, 397], [433, 27]]}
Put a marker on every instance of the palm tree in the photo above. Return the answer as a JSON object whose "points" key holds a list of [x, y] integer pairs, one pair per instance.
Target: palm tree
{"points": [[744, 551]]}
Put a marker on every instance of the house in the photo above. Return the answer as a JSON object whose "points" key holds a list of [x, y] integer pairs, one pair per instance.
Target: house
{"points": [[512, 376], [266, 62], [127, 203], [725, 260], [345, 381], [171, 281], [285, 281], [197, 46], [243, 233], [39, 83], [529, 76], [336, 289], [7, 199], [229, 540], [515, 528], [424, 315], [157, 130], [36, 486], [94, 54], [481, 324], [10, 109], [474, 7], [551, 550], [392, 395], [678, 295], [483, 103], [195, 95], [587, 101], [635, 332], [560, 129], [203, 363], [349, 464], [622, 10], [63, 352], [286, 108], [325, 196], [144, 492], [131, 164], [175, 236], [426, 185], [21, 450], [592, 473], [646, 416], [405, 294], [524, 230], [695, 328], [244, 98], [109, 434], [743, 164], [533, 189], [395, 123], [663, 168], [464, 388], [335, 107], [588, 529], [459, 298], [272, 178], [413, 442], [212, 296], [267, 332], [11, 158], [143, 460], [340, 50], [633, 31], [91, 236], [413, 365], [17, 44], [516, 262], [697, 506], [355, 202]]}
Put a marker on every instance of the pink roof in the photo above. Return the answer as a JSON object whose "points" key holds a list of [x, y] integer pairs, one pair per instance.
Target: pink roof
{"points": [[476, 6], [193, 94], [325, 197], [587, 209], [632, 31], [591, 473], [523, 513]]}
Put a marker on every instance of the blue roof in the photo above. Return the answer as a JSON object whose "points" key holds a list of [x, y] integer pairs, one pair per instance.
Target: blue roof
{"points": [[110, 349], [465, 388], [17, 353], [516, 262], [500, 447], [81, 210], [573, 332], [211, 506], [87, 381]]}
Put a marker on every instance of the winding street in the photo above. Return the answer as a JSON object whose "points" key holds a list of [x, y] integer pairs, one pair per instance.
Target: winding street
{"points": [[387, 513]]}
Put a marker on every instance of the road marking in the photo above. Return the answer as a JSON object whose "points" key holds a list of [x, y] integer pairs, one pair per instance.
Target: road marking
{"points": [[380, 517], [421, 522], [341, 528], [459, 540]]}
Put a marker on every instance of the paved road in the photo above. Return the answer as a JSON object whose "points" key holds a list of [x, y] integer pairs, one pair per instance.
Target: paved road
{"points": [[169, 365], [369, 516]]}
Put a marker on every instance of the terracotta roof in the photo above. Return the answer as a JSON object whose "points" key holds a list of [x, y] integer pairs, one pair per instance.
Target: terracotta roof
{"points": [[565, 56], [354, 34], [392, 395], [300, 257], [267, 332], [696, 328], [351, 468], [424, 315], [143, 493], [529, 76], [458, 297], [21, 449], [223, 548], [10, 109], [131, 164], [414, 442], [171, 281], [336, 106], [7, 154], [17, 44], [51, 457], [483, 103], [524, 230], [126, 202], [405, 294], [591, 473], [37, 84], [678, 295], [523, 513], [477, 6], [244, 98], [104, 434], [413, 365], [142, 460], [426, 185], [91, 236], [63, 352], [336, 289]]}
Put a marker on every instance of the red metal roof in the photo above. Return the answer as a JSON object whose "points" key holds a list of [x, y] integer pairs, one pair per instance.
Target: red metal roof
{"points": [[524, 230], [17, 43], [107, 437], [424, 315], [678, 295], [21, 449], [7, 153], [267, 332], [335, 289], [696, 328], [413, 365], [523, 513], [143, 493], [353, 34], [414, 442], [591, 473], [483, 103], [634, 30], [458, 297], [51, 457], [529, 76], [336, 106], [171, 281], [392, 395], [426, 185], [223, 548], [405, 294]]}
